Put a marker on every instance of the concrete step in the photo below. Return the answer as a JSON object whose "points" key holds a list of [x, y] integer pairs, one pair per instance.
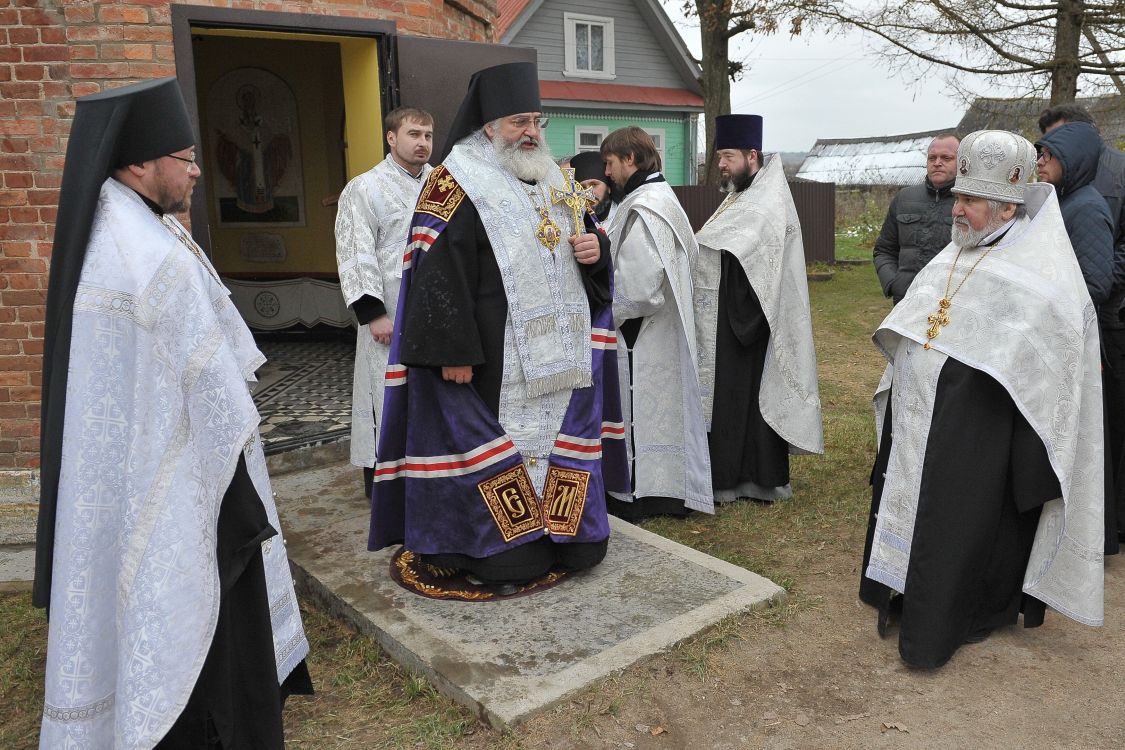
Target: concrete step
{"points": [[511, 659]]}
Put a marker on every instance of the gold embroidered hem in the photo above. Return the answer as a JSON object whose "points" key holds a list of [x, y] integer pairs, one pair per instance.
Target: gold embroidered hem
{"points": [[438, 583]]}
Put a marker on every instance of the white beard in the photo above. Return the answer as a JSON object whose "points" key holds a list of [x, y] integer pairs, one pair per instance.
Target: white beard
{"points": [[529, 166], [965, 236]]}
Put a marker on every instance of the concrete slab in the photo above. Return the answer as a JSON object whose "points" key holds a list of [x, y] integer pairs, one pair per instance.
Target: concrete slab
{"points": [[17, 544], [17, 566], [508, 660]]}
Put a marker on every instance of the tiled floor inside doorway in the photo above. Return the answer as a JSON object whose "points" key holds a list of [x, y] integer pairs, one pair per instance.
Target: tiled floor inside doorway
{"points": [[304, 392]]}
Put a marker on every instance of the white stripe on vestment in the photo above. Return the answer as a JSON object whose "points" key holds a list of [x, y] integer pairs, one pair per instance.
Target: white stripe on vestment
{"points": [[600, 338], [430, 467], [613, 430], [594, 456], [570, 446], [396, 375], [577, 440]]}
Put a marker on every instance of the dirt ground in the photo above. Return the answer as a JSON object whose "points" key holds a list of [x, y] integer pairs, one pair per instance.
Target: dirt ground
{"points": [[826, 680]]}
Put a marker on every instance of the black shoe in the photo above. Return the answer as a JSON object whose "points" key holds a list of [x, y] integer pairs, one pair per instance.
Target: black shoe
{"points": [[889, 614], [978, 635]]}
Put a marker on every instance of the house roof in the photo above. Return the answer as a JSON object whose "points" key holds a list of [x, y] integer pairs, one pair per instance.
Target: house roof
{"points": [[507, 11], [880, 160], [612, 92], [1022, 116], [513, 14]]}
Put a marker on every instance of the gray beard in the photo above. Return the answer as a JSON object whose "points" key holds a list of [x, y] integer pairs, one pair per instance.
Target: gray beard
{"points": [[964, 235], [528, 166]]}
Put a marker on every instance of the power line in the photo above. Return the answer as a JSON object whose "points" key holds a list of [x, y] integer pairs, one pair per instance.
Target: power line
{"points": [[787, 85]]}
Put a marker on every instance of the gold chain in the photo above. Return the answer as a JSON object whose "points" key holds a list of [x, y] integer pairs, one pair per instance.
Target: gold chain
{"points": [[940, 319], [548, 232], [189, 243], [727, 203]]}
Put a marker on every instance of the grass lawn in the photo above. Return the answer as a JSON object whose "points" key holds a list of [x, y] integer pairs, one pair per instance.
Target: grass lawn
{"points": [[852, 244], [365, 701]]}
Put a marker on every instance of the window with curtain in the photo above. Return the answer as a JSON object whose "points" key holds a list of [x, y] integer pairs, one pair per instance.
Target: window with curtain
{"points": [[589, 46]]}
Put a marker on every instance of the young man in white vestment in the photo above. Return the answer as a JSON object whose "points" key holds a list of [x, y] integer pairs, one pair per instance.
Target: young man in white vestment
{"points": [[987, 498], [173, 622], [653, 250], [372, 222], [756, 358]]}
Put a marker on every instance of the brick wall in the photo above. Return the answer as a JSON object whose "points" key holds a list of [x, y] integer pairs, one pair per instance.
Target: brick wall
{"points": [[52, 51]]}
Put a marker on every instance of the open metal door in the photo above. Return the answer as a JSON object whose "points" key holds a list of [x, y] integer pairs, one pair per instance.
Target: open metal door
{"points": [[434, 73]]}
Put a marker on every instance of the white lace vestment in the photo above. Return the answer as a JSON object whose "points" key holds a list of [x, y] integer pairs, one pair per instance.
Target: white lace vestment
{"points": [[653, 248], [760, 227], [372, 223], [1024, 318], [158, 411]]}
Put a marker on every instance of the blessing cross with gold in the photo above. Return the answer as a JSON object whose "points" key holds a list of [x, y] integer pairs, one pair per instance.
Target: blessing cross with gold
{"points": [[936, 321], [577, 198]]}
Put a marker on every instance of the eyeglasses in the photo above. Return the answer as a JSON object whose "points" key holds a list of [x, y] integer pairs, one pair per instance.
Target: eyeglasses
{"points": [[1044, 156], [523, 123], [190, 160]]}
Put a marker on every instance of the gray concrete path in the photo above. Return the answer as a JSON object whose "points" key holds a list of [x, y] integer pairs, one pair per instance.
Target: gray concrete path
{"points": [[508, 660]]}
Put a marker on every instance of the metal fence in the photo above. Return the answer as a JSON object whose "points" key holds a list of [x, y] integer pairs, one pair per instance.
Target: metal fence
{"points": [[816, 209]]}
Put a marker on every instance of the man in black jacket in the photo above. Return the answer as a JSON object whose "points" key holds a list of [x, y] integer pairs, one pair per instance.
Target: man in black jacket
{"points": [[919, 221], [1068, 159], [1110, 182]]}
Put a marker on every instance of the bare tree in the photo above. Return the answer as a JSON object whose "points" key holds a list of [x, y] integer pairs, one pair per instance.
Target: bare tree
{"points": [[719, 22], [1034, 45]]}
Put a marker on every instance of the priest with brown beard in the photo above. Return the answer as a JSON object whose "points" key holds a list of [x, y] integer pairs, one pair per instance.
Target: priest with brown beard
{"points": [[756, 358]]}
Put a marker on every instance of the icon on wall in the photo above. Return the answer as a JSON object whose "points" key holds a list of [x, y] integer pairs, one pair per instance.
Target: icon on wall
{"points": [[256, 150]]}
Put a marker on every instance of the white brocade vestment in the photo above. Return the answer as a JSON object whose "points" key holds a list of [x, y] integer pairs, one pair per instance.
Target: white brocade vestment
{"points": [[372, 222], [1025, 319], [158, 412], [547, 332], [653, 249], [759, 226]]}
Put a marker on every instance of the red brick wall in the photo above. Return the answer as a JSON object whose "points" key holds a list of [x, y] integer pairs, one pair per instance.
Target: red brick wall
{"points": [[52, 51]]}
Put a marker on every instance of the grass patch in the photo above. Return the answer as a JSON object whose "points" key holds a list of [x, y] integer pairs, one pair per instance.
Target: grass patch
{"points": [[365, 701], [856, 239], [23, 654], [850, 246], [694, 654]]}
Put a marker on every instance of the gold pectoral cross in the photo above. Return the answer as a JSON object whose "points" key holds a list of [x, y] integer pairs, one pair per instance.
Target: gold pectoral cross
{"points": [[937, 321], [577, 198]]}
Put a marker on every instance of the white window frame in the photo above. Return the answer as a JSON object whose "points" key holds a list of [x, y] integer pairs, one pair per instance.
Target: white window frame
{"points": [[579, 130], [570, 20], [659, 133]]}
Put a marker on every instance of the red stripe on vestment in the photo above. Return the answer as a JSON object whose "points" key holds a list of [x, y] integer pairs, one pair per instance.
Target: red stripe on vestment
{"points": [[423, 468]]}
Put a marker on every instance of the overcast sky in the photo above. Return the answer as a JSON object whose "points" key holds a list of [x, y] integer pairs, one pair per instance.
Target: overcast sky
{"points": [[819, 86]]}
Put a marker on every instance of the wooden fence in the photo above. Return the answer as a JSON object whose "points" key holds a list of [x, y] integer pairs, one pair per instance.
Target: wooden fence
{"points": [[816, 208]]}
